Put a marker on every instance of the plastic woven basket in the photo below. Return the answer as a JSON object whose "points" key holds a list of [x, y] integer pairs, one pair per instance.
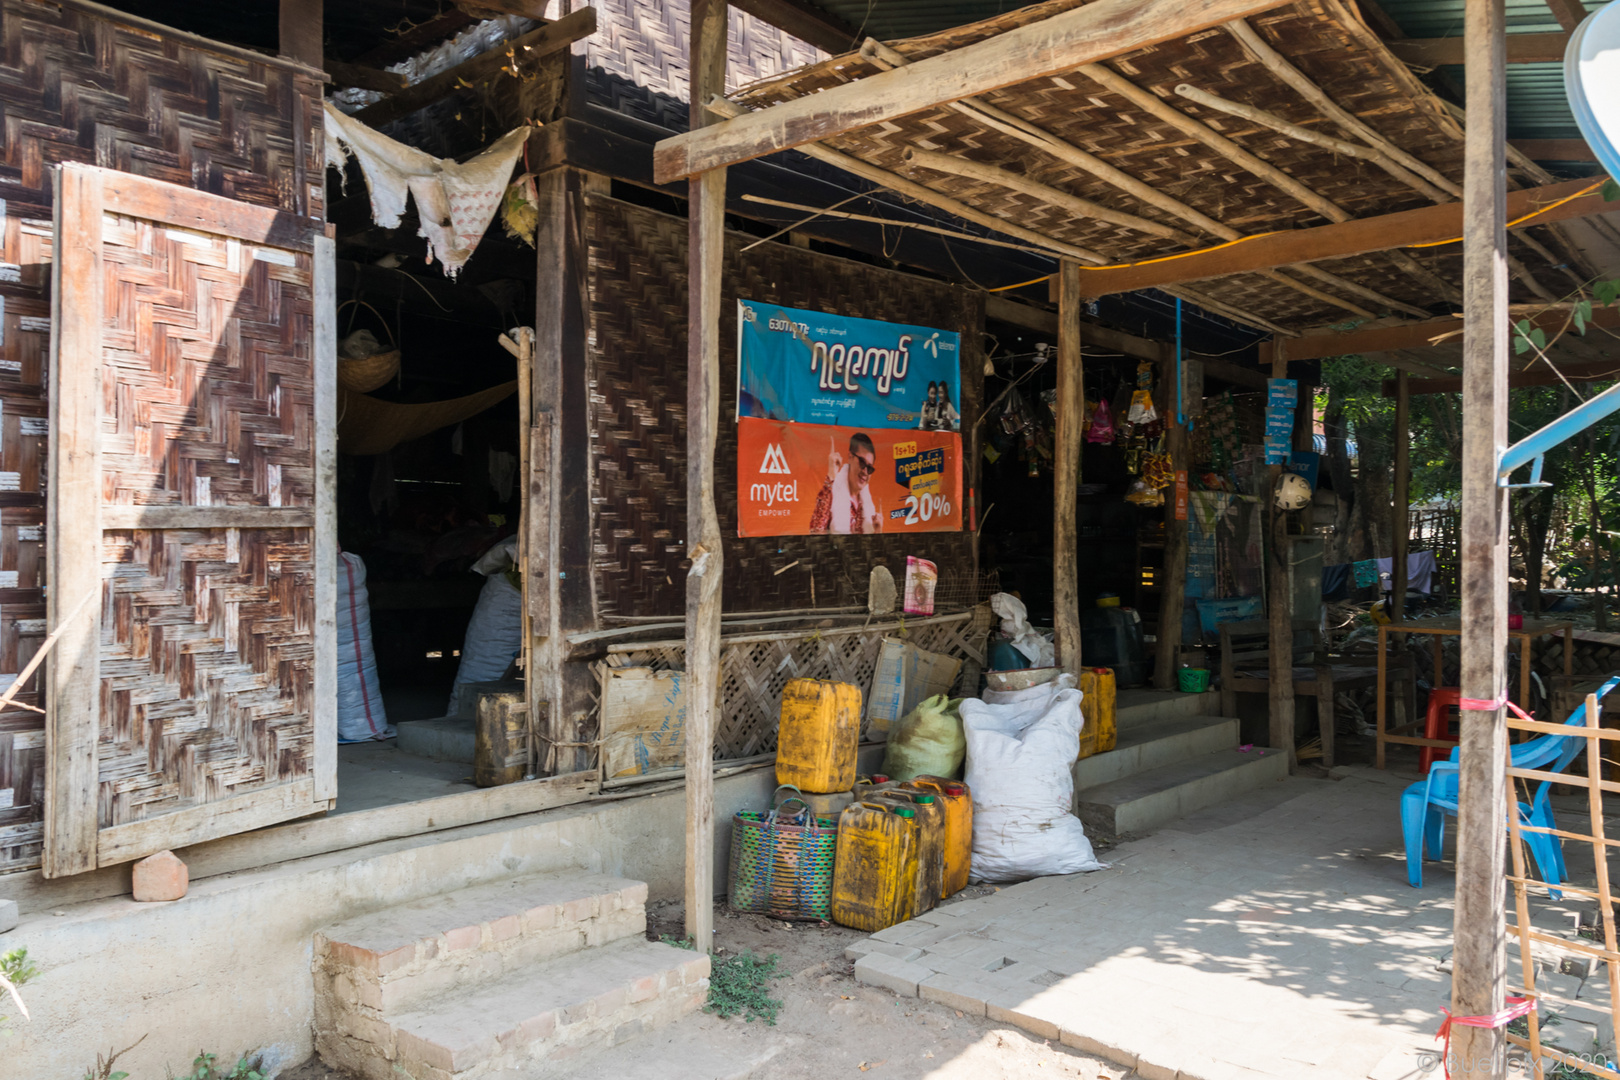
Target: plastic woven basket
{"points": [[782, 863]]}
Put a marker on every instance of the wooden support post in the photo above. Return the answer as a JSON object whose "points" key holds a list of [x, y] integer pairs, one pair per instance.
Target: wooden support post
{"points": [[1479, 958], [1173, 581], [558, 540], [1071, 404], [302, 26], [1280, 596], [706, 211], [1403, 499]]}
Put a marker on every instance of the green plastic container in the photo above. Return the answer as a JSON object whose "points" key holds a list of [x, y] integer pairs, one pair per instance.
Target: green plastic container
{"points": [[1192, 680]]}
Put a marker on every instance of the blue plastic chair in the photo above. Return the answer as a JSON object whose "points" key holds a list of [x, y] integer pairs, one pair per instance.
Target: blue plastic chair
{"points": [[1425, 804]]}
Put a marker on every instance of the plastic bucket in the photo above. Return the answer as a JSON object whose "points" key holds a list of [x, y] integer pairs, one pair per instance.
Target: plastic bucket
{"points": [[1192, 680]]}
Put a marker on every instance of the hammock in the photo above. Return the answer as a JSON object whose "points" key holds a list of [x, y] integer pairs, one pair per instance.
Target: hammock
{"points": [[367, 425]]}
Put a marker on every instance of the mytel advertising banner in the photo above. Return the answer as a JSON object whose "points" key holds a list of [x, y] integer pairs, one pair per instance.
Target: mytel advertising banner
{"points": [[810, 368], [800, 479]]}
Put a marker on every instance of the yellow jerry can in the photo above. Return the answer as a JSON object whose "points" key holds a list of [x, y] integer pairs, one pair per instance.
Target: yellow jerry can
{"points": [[1097, 706], [819, 733]]}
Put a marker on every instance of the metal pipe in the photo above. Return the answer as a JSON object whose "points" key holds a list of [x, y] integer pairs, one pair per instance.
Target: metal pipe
{"points": [[1560, 430]]}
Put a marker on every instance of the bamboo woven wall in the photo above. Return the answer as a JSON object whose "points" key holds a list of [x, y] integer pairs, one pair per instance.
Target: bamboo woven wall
{"points": [[77, 86], [637, 378]]}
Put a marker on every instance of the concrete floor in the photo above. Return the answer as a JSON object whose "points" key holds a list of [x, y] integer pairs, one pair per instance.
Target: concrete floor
{"points": [[377, 774], [1272, 936]]}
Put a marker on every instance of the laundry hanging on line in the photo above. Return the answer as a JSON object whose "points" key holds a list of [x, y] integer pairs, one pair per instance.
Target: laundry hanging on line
{"points": [[456, 201]]}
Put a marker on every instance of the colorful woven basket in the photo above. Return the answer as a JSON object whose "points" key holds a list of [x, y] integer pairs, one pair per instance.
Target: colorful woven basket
{"points": [[782, 862]]}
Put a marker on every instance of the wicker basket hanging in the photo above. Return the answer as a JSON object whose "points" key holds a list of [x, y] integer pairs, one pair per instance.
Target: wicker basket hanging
{"points": [[370, 372], [782, 862]]}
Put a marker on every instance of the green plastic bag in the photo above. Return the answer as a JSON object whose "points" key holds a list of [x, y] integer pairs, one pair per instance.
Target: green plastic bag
{"points": [[927, 741]]}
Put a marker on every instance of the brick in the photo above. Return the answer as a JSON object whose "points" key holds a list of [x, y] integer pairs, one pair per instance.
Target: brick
{"points": [[543, 917], [409, 1047], [612, 1001], [391, 961], [627, 1031], [694, 970], [580, 910], [891, 973], [1006, 1009], [539, 1027], [1087, 1044], [505, 928], [644, 989], [634, 895], [463, 937], [1147, 1070], [955, 993], [574, 1014], [160, 877], [889, 948]]}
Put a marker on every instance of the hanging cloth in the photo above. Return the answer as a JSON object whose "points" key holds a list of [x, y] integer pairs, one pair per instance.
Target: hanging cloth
{"points": [[455, 201]]}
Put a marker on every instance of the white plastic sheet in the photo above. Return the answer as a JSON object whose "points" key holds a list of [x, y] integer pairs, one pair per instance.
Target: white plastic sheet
{"points": [[360, 713], [1019, 762], [1039, 651]]}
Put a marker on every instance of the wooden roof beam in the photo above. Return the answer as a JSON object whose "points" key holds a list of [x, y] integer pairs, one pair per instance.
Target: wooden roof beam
{"points": [[1448, 51], [1342, 240], [1446, 331], [804, 21], [1051, 46], [1569, 13], [1536, 374]]}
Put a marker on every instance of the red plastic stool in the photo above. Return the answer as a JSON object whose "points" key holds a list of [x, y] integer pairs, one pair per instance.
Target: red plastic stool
{"points": [[1437, 724]]}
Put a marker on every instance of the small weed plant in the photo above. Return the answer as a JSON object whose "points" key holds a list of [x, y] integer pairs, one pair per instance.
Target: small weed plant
{"points": [[204, 1067], [103, 1068], [15, 970], [738, 985]]}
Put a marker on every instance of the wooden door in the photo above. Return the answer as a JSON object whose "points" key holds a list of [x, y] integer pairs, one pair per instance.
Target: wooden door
{"points": [[190, 520]]}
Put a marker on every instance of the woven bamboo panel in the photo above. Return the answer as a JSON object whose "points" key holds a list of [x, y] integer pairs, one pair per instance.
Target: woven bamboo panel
{"points": [[753, 670], [1315, 35], [77, 86], [208, 635], [638, 409]]}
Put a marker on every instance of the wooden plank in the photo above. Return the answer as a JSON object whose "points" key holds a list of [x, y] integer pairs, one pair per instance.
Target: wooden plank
{"points": [[806, 22], [643, 721], [1554, 149], [551, 38], [323, 346], [1050, 47], [1280, 600], [253, 810], [1478, 959], [1448, 51], [364, 78], [1402, 496], [302, 25], [316, 836], [1427, 224], [212, 517], [1420, 335], [1071, 405], [416, 39], [184, 208], [1172, 597], [1569, 13], [706, 210], [72, 525], [182, 37]]}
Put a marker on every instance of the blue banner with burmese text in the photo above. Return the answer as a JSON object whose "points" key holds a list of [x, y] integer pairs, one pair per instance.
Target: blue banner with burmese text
{"points": [[808, 367]]}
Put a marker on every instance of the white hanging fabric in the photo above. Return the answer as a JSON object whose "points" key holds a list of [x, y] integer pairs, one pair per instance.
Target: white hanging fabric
{"points": [[456, 201]]}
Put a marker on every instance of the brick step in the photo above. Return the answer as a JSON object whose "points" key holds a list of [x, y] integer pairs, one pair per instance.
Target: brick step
{"points": [[1149, 799], [531, 1022], [1159, 742], [1133, 707], [389, 960]]}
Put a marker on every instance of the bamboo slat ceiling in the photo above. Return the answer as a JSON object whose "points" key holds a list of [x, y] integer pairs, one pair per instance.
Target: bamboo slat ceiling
{"points": [[1322, 39]]}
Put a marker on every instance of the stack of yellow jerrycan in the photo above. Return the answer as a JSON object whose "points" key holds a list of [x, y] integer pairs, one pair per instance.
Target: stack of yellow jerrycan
{"points": [[1097, 706], [957, 802], [819, 734], [875, 868], [928, 819]]}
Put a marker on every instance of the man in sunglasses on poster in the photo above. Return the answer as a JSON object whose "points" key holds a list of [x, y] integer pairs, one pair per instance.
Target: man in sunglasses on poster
{"points": [[844, 504]]}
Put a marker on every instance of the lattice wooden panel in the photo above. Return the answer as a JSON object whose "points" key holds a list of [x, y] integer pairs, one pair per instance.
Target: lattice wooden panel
{"points": [[638, 411], [753, 669], [77, 86], [207, 634]]}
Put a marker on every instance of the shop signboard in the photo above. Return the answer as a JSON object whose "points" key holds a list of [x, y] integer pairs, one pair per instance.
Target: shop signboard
{"points": [[808, 367], [803, 479]]}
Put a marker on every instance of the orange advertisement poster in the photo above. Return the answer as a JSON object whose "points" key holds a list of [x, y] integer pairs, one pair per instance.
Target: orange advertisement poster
{"points": [[801, 479]]}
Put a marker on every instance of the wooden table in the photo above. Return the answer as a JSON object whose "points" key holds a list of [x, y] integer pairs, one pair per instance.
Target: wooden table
{"points": [[1452, 627]]}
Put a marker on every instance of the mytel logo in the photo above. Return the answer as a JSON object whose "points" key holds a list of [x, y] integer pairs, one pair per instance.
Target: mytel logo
{"points": [[775, 462]]}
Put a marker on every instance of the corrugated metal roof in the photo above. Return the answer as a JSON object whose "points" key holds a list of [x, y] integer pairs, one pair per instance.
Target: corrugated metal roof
{"points": [[1537, 106]]}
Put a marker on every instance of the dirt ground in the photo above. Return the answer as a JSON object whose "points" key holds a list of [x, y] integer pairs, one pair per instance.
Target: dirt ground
{"points": [[831, 1026]]}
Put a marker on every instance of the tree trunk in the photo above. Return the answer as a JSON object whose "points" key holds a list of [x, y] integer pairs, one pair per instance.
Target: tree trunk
{"points": [[1536, 512], [1336, 429]]}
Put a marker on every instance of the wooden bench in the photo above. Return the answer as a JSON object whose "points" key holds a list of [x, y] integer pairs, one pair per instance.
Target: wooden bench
{"points": [[1246, 668]]}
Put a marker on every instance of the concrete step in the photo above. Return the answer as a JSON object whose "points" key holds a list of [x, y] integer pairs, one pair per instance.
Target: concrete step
{"points": [[1133, 707], [532, 1022], [1159, 742], [391, 960], [1148, 799], [444, 738], [679, 1052]]}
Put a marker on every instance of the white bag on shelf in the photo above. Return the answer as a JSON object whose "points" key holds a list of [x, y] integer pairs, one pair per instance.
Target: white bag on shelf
{"points": [[360, 713], [1020, 758]]}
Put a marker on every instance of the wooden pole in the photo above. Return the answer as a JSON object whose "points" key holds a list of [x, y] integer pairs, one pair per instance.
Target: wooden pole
{"points": [[706, 210], [1479, 963], [302, 26], [1173, 583], [1403, 499], [1066, 470], [1280, 597]]}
